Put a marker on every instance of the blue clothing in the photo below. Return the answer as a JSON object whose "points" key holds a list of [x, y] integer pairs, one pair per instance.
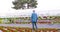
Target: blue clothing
{"points": [[34, 20], [34, 17], [34, 24]]}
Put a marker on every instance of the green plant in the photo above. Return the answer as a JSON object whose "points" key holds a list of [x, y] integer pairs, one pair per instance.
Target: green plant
{"points": [[7, 30], [39, 18], [15, 31]]}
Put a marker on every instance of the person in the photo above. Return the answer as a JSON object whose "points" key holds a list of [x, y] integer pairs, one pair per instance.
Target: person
{"points": [[34, 19]]}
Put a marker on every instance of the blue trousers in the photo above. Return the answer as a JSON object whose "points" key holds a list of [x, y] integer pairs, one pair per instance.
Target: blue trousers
{"points": [[34, 24]]}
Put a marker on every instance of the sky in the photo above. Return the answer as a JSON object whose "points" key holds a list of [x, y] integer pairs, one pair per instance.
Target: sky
{"points": [[44, 8]]}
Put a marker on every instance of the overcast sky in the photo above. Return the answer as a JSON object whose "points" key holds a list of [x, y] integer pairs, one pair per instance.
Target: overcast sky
{"points": [[45, 7]]}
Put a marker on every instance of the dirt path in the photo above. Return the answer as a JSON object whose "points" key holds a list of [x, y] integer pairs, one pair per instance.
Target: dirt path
{"points": [[30, 25]]}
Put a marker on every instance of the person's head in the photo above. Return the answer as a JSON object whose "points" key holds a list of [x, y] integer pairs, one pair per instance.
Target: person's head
{"points": [[33, 10]]}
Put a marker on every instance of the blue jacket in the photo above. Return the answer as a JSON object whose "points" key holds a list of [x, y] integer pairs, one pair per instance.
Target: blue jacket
{"points": [[34, 17]]}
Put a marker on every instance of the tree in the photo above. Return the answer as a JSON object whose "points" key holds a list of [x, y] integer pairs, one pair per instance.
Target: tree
{"points": [[22, 4]]}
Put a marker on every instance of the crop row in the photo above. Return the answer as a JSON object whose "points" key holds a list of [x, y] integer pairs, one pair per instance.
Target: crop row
{"points": [[17, 29]]}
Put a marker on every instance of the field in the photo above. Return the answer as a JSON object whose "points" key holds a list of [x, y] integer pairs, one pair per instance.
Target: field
{"points": [[28, 28], [19, 29], [23, 24], [27, 20]]}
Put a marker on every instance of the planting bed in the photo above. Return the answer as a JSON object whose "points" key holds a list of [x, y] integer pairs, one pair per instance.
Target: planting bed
{"points": [[21, 29]]}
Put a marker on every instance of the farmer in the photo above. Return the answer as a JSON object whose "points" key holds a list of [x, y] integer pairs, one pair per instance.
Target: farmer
{"points": [[34, 19]]}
